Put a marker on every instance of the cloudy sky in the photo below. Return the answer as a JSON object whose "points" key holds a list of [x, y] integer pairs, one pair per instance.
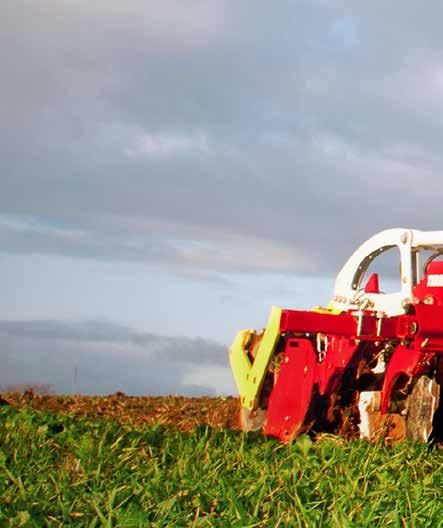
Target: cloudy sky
{"points": [[170, 170]]}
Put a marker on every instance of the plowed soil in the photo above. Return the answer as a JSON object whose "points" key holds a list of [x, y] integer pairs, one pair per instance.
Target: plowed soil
{"points": [[177, 412], [184, 414]]}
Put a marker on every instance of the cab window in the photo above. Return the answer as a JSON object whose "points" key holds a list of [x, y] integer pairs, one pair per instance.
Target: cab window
{"points": [[386, 265]]}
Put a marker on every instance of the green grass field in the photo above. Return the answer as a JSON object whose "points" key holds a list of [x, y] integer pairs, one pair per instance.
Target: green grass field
{"points": [[73, 471]]}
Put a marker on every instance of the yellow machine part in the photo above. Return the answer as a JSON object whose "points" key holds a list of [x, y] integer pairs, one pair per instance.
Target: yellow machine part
{"points": [[249, 376], [328, 310]]}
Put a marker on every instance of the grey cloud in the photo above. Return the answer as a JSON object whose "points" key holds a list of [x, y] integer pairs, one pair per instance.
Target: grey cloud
{"points": [[99, 357], [184, 251], [35, 237], [317, 121], [188, 350]]}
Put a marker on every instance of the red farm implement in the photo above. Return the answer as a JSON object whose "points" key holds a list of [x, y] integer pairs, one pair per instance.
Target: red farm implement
{"points": [[371, 361]]}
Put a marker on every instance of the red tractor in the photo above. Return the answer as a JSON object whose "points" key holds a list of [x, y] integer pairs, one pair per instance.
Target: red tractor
{"points": [[371, 362]]}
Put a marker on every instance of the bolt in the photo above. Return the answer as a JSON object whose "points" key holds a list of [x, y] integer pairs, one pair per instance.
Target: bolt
{"points": [[305, 369]]}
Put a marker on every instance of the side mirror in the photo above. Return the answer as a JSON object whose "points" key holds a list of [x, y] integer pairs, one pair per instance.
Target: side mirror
{"points": [[372, 284]]}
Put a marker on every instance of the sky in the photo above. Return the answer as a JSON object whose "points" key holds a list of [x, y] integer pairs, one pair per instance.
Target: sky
{"points": [[171, 170]]}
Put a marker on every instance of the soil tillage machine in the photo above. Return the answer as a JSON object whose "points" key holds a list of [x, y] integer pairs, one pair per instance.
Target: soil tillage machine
{"points": [[371, 361]]}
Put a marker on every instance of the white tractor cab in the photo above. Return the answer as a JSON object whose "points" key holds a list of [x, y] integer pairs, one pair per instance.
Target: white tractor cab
{"points": [[420, 274]]}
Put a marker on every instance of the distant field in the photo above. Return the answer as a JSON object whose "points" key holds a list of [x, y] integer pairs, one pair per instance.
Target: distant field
{"points": [[69, 466], [178, 412]]}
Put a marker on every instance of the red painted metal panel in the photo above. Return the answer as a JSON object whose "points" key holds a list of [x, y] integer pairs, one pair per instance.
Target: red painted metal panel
{"points": [[336, 359], [292, 393], [435, 268], [429, 320], [347, 324], [427, 291], [404, 361], [313, 322], [372, 285]]}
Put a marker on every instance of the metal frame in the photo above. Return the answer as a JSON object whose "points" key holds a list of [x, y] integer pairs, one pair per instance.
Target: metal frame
{"points": [[348, 293]]}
